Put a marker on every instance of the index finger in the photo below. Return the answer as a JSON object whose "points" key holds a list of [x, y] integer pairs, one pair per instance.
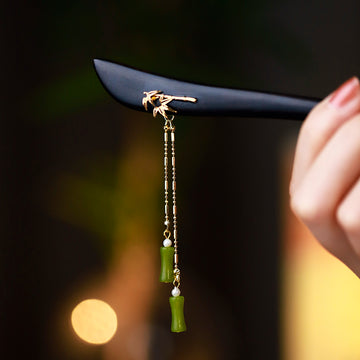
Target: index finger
{"points": [[321, 124]]}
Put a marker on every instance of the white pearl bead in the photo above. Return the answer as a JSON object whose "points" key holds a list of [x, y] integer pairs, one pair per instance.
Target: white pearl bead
{"points": [[166, 222], [167, 243], [175, 291]]}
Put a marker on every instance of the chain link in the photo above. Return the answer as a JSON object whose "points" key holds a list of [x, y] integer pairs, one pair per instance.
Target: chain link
{"points": [[176, 281]]}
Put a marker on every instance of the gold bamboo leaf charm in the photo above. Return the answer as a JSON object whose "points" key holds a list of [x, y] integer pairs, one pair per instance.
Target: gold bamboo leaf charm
{"points": [[160, 101]]}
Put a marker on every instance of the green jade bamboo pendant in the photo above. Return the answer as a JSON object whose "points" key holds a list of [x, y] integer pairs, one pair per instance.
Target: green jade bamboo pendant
{"points": [[177, 313], [177, 305], [166, 266]]}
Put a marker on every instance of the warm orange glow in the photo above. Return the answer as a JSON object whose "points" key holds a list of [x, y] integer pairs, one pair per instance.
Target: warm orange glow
{"points": [[322, 300], [94, 321]]}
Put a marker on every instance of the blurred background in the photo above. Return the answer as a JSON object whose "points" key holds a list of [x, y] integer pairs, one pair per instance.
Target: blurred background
{"points": [[81, 184]]}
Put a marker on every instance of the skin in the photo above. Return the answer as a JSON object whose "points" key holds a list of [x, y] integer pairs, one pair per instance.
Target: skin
{"points": [[325, 184]]}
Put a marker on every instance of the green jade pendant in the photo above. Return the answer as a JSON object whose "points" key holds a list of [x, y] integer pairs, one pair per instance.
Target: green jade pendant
{"points": [[177, 314], [166, 268]]}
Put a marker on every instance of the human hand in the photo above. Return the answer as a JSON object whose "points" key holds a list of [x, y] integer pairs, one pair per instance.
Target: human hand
{"points": [[325, 184]]}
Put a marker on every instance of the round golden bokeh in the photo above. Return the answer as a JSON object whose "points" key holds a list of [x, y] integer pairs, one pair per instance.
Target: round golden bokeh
{"points": [[94, 321]]}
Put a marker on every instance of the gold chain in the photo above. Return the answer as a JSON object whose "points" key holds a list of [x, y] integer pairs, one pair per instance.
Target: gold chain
{"points": [[167, 232], [169, 127], [176, 256]]}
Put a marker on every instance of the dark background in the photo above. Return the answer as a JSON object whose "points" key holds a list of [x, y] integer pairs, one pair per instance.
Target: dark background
{"points": [[56, 119]]}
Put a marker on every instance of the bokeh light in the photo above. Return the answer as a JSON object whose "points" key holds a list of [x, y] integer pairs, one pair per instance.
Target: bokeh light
{"points": [[94, 321]]}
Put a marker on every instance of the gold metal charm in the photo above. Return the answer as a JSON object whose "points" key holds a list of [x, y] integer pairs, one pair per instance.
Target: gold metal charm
{"points": [[160, 102]]}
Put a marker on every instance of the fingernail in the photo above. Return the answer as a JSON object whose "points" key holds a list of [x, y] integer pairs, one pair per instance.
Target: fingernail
{"points": [[345, 92]]}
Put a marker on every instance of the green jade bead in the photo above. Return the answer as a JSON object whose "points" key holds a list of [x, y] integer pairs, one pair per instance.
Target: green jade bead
{"points": [[177, 314], [166, 268]]}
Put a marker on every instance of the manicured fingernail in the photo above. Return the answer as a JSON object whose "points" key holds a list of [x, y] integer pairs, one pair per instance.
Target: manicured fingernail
{"points": [[345, 92]]}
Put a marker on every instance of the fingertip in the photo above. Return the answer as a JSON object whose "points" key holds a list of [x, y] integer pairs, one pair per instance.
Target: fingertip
{"points": [[346, 92]]}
